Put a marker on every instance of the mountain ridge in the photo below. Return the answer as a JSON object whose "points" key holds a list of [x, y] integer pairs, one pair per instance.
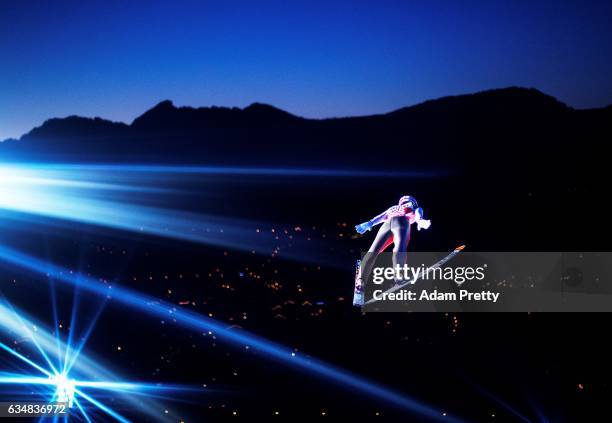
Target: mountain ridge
{"points": [[166, 107], [490, 131]]}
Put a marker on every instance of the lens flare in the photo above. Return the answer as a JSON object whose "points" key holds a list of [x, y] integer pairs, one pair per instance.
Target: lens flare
{"points": [[78, 390]]}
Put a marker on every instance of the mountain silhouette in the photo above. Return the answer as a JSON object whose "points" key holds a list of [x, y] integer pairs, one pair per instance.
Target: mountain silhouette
{"points": [[166, 117], [516, 130]]}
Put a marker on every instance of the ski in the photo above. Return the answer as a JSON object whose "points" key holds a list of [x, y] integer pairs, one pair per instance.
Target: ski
{"points": [[436, 265], [358, 292]]}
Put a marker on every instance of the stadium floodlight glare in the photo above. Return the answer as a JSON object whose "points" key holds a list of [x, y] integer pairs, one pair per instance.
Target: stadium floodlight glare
{"points": [[64, 389], [78, 385]]}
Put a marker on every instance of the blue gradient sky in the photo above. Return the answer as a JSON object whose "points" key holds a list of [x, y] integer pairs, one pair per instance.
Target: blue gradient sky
{"points": [[115, 59]]}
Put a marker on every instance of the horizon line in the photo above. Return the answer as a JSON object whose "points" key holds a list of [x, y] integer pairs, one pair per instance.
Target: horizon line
{"points": [[213, 106]]}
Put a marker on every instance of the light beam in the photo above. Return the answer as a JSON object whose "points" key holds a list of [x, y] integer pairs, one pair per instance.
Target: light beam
{"points": [[192, 320]]}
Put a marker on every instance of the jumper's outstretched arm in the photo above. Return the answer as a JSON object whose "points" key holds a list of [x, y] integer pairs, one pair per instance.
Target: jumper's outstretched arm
{"points": [[366, 226]]}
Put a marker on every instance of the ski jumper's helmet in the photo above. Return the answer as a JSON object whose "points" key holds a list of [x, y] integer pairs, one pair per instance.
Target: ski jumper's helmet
{"points": [[409, 201]]}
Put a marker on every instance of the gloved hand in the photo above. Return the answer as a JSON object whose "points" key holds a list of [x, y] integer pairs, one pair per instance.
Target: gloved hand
{"points": [[364, 227], [423, 224]]}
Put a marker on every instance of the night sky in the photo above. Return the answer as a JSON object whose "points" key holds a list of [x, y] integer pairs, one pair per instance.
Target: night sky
{"points": [[115, 59]]}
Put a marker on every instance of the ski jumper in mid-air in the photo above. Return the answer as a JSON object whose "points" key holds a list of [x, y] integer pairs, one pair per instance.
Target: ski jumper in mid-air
{"points": [[395, 229]]}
